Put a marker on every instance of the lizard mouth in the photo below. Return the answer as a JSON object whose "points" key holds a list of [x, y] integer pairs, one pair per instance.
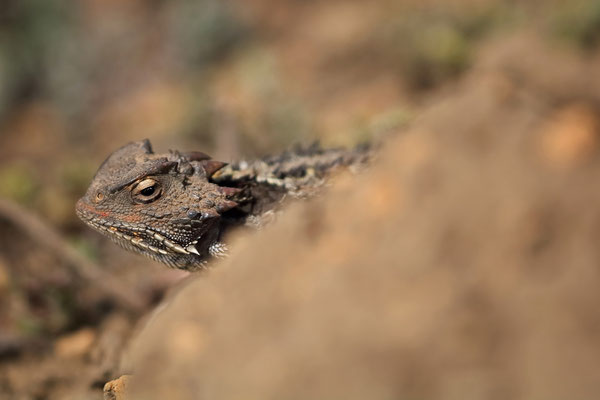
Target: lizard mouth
{"points": [[145, 239], [140, 238]]}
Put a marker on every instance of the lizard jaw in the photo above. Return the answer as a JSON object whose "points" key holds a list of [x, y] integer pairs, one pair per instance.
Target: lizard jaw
{"points": [[146, 241]]}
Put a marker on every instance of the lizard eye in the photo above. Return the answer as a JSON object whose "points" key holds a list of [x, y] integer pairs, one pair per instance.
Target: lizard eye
{"points": [[99, 196], [146, 191]]}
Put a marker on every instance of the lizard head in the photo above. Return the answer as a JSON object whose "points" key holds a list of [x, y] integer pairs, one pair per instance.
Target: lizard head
{"points": [[162, 206]]}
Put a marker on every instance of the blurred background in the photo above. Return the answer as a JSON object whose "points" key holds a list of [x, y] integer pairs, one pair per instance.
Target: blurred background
{"points": [[235, 78]]}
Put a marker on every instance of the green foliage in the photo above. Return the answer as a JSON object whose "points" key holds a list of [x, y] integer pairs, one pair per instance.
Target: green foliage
{"points": [[30, 325], [85, 247], [578, 22], [202, 31], [61, 309], [282, 118], [76, 174], [49, 49], [430, 46], [18, 183], [29, 33]]}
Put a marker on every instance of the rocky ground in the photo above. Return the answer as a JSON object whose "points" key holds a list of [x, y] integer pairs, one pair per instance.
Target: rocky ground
{"points": [[464, 265]]}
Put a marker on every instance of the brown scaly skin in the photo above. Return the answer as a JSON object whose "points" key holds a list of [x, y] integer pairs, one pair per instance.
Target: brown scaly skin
{"points": [[162, 206], [175, 207]]}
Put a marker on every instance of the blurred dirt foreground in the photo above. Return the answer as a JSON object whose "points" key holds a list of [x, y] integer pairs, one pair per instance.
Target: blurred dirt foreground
{"points": [[464, 265]]}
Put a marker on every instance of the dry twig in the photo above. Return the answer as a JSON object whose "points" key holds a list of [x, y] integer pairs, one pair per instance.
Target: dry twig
{"points": [[46, 235]]}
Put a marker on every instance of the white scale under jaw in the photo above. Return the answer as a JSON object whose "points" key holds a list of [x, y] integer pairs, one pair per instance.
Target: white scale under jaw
{"points": [[217, 249], [174, 247]]}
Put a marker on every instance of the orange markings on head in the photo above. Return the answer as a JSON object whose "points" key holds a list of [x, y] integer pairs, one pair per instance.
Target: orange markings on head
{"points": [[127, 218], [93, 210]]}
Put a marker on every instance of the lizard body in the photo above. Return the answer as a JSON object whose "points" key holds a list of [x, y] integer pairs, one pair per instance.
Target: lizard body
{"points": [[176, 207]]}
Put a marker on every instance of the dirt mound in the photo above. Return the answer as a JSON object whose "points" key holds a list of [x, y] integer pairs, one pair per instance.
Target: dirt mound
{"points": [[463, 265]]}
